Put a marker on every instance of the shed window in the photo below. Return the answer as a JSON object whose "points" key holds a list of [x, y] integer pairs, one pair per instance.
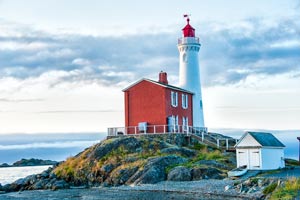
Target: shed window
{"points": [[174, 99]]}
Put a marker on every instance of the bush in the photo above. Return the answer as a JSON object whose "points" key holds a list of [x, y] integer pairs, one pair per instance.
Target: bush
{"points": [[270, 188], [289, 190]]}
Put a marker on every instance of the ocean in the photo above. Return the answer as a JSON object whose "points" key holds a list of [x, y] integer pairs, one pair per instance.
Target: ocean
{"points": [[11, 174], [59, 146]]}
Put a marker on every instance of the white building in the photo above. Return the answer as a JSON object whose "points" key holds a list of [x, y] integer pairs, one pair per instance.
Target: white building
{"points": [[189, 72], [260, 151]]}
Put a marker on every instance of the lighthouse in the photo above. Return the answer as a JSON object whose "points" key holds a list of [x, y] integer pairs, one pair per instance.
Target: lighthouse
{"points": [[189, 72]]}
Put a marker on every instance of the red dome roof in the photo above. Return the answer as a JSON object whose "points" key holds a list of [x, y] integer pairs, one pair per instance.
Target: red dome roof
{"points": [[188, 30]]}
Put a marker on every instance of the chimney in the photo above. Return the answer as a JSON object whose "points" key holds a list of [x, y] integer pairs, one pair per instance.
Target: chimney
{"points": [[163, 78]]}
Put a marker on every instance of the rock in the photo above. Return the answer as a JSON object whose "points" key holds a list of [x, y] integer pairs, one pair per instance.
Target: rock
{"points": [[121, 176], [227, 187], [179, 150], [155, 170], [260, 182], [108, 168], [4, 165], [33, 162], [52, 175], [39, 185], [180, 173], [213, 163], [199, 173], [129, 143], [252, 190], [60, 184]]}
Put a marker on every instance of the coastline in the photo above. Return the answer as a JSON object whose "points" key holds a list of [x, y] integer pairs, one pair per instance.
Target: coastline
{"points": [[203, 189]]}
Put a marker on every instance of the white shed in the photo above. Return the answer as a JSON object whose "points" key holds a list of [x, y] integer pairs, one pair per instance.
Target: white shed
{"points": [[260, 151]]}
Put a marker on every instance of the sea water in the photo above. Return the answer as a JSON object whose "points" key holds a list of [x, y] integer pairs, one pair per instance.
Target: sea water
{"points": [[11, 174]]}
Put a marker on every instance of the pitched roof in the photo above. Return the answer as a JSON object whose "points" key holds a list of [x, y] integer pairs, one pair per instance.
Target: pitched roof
{"points": [[264, 139], [158, 83]]}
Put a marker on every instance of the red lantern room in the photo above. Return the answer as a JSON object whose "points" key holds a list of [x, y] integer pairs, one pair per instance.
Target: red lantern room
{"points": [[188, 30]]}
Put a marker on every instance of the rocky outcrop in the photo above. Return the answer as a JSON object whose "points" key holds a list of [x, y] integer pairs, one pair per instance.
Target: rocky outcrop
{"points": [[155, 170], [4, 165], [199, 173], [45, 180], [128, 160], [180, 173], [30, 162]]}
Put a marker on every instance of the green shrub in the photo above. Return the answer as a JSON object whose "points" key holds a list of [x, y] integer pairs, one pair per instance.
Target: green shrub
{"points": [[270, 188], [289, 190], [198, 146]]}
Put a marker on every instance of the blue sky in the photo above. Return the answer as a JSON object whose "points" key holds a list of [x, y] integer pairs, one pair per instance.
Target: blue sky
{"points": [[64, 63]]}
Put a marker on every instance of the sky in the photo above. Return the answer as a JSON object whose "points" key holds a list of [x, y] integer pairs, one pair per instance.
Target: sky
{"points": [[63, 64]]}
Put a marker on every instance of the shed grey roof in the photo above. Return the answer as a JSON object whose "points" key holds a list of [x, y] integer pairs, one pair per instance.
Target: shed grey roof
{"points": [[158, 83], [266, 139]]}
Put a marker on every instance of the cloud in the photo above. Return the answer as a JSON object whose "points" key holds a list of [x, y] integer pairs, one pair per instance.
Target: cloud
{"points": [[229, 54], [20, 100], [65, 144], [258, 48], [77, 111]]}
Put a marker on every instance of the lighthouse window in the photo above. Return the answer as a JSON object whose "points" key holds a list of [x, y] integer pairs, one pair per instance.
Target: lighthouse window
{"points": [[184, 58], [174, 99], [184, 101], [201, 104]]}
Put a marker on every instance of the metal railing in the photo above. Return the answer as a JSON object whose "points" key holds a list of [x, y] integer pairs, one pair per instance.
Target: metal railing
{"points": [[155, 129], [199, 133], [186, 40]]}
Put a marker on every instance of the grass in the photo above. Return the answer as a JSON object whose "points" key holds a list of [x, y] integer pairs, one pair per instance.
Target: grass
{"points": [[289, 190], [291, 162], [270, 188]]}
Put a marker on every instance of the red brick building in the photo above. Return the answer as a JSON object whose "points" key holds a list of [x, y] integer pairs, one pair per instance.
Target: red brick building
{"points": [[149, 103]]}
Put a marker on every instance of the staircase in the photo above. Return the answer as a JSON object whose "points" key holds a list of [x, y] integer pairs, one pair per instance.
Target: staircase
{"points": [[216, 140]]}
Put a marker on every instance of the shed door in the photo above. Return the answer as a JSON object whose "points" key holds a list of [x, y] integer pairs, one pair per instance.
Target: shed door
{"points": [[242, 157], [254, 158]]}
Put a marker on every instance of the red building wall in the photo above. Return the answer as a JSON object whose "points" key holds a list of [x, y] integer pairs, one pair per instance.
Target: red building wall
{"points": [[144, 102], [181, 112], [151, 103]]}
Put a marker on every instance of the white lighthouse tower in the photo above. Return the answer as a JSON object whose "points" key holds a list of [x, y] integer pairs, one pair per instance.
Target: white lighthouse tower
{"points": [[189, 75]]}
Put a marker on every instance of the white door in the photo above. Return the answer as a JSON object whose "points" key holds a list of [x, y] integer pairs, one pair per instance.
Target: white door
{"points": [[242, 155], [254, 158]]}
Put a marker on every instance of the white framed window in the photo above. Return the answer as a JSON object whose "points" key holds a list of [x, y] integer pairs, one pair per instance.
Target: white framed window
{"points": [[185, 123], [184, 101], [173, 123], [174, 99]]}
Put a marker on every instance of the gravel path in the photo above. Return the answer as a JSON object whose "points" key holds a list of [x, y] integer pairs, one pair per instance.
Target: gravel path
{"points": [[204, 189]]}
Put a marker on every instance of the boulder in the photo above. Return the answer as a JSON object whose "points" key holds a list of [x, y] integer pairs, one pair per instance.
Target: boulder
{"points": [[155, 170], [60, 184], [121, 176], [206, 173], [39, 184], [131, 144], [180, 173]]}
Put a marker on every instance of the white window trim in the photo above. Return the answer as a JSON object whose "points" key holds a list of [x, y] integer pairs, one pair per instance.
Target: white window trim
{"points": [[184, 101], [174, 99]]}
